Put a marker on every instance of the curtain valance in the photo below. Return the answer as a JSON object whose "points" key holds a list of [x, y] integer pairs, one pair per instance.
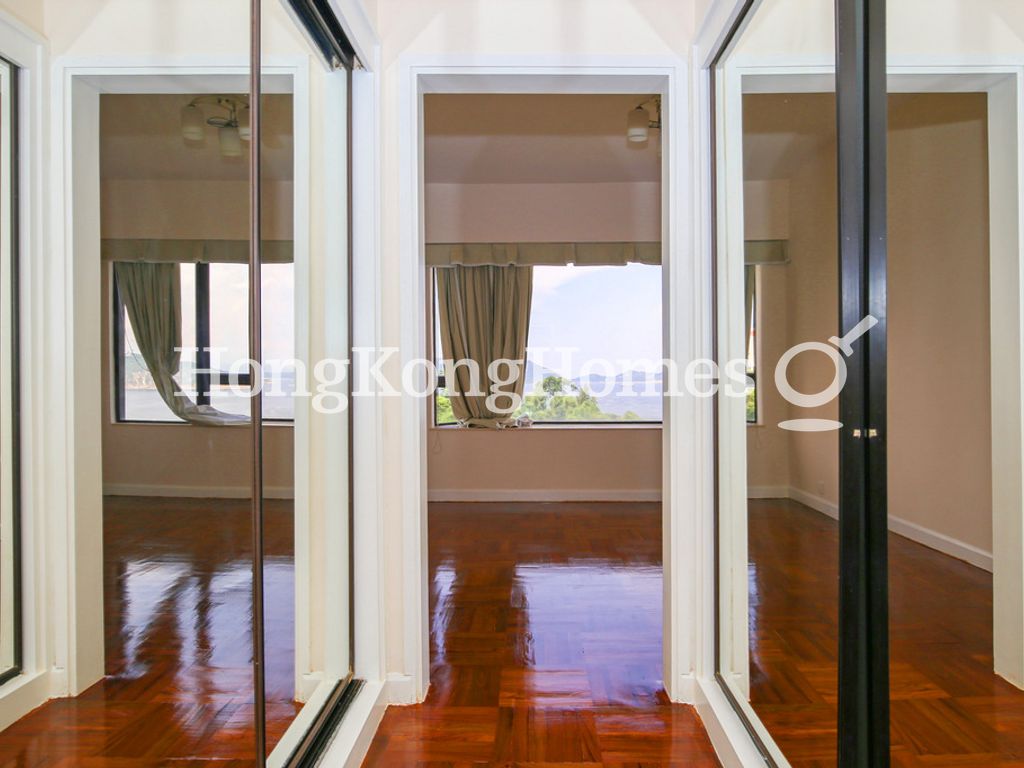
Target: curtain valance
{"points": [[193, 251], [541, 254]]}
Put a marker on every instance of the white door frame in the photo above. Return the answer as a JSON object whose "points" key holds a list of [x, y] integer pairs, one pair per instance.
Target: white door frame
{"points": [[75, 272], [1004, 84], [686, 332], [40, 446], [319, 110]]}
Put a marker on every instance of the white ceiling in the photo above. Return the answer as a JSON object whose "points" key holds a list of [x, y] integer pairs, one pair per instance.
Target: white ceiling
{"points": [[534, 138], [140, 138]]}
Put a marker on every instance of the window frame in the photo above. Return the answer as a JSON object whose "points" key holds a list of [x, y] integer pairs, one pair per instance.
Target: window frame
{"points": [[14, 376], [439, 383], [205, 378]]}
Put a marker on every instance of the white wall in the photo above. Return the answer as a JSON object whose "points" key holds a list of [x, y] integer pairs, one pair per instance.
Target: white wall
{"points": [[793, 30]]}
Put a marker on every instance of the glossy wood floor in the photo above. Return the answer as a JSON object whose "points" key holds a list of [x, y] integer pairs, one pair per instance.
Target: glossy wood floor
{"points": [[178, 689], [545, 644], [948, 707]]}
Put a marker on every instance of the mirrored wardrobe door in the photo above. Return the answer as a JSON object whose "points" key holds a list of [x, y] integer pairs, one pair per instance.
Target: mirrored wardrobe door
{"points": [[800, 603], [176, 443], [10, 535], [954, 372], [300, 130]]}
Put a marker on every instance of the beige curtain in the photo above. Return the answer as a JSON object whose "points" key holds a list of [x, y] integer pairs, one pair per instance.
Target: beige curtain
{"points": [[151, 294], [485, 316]]}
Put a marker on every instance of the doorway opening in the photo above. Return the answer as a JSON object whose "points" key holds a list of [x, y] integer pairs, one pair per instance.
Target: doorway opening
{"points": [[543, 288]]}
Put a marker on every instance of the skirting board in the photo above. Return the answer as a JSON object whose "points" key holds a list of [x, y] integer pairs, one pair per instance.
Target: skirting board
{"points": [[533, 495], [195, 491], [400, 689], [908, 530]]}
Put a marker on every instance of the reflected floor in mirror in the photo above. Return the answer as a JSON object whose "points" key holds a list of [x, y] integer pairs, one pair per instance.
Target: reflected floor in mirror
{"points": [[546, 644], [948, 707], [177, 581]]}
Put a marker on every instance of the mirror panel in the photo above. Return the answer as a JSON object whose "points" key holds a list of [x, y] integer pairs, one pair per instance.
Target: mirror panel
{"points": [[10, 538], [777, 308]]}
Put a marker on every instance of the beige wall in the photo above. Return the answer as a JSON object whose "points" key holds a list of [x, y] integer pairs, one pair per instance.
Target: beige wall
{"points": [[544, 213], [939, 378], [186, 459], [940, 450], [556, 463], [588, 463], [191, 210]]}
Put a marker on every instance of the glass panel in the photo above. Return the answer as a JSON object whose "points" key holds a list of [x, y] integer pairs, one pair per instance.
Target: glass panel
{"points": [[777, 265], [954, 388], [10, 554], [303, 296], [176, 466]]}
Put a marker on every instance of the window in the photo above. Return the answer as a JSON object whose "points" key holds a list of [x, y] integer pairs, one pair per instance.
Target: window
{"points": [[215, 344], [750, 278], [595, 347]]}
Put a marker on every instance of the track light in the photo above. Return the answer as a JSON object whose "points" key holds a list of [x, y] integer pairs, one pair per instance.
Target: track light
{"points": [[639, 122], [193, 124], [638, 125], [244, 127], [230, 141]]}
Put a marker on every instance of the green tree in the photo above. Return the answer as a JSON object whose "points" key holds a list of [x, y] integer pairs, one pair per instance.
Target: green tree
{"points": [[443, 413], [559, 399]]}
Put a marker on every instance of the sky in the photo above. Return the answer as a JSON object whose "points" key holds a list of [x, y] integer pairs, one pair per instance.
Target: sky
{"points": [[611, 312]]}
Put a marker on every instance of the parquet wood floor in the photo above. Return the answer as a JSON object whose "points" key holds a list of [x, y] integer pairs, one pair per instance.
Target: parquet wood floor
{"points": [[178, 689], [948, 707], [545, 645]]}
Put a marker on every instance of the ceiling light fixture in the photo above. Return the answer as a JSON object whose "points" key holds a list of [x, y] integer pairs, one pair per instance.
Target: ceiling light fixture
{"points": [[639, 122], [232, 127]]}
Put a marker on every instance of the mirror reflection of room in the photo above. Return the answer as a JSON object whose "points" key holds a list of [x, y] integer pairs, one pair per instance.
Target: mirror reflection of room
{"points": [[940, 500], [176, 437], [789, 144]]}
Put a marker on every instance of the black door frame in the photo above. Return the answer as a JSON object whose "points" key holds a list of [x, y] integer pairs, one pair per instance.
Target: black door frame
{"points": [[861, 108], [861, 98]]}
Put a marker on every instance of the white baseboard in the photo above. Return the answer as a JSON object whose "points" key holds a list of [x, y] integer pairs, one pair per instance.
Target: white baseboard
{"points": [[401, 689], [533, 495], [947, 545], [195, 491], [767, 492], [939, 541], [817, 503]]}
